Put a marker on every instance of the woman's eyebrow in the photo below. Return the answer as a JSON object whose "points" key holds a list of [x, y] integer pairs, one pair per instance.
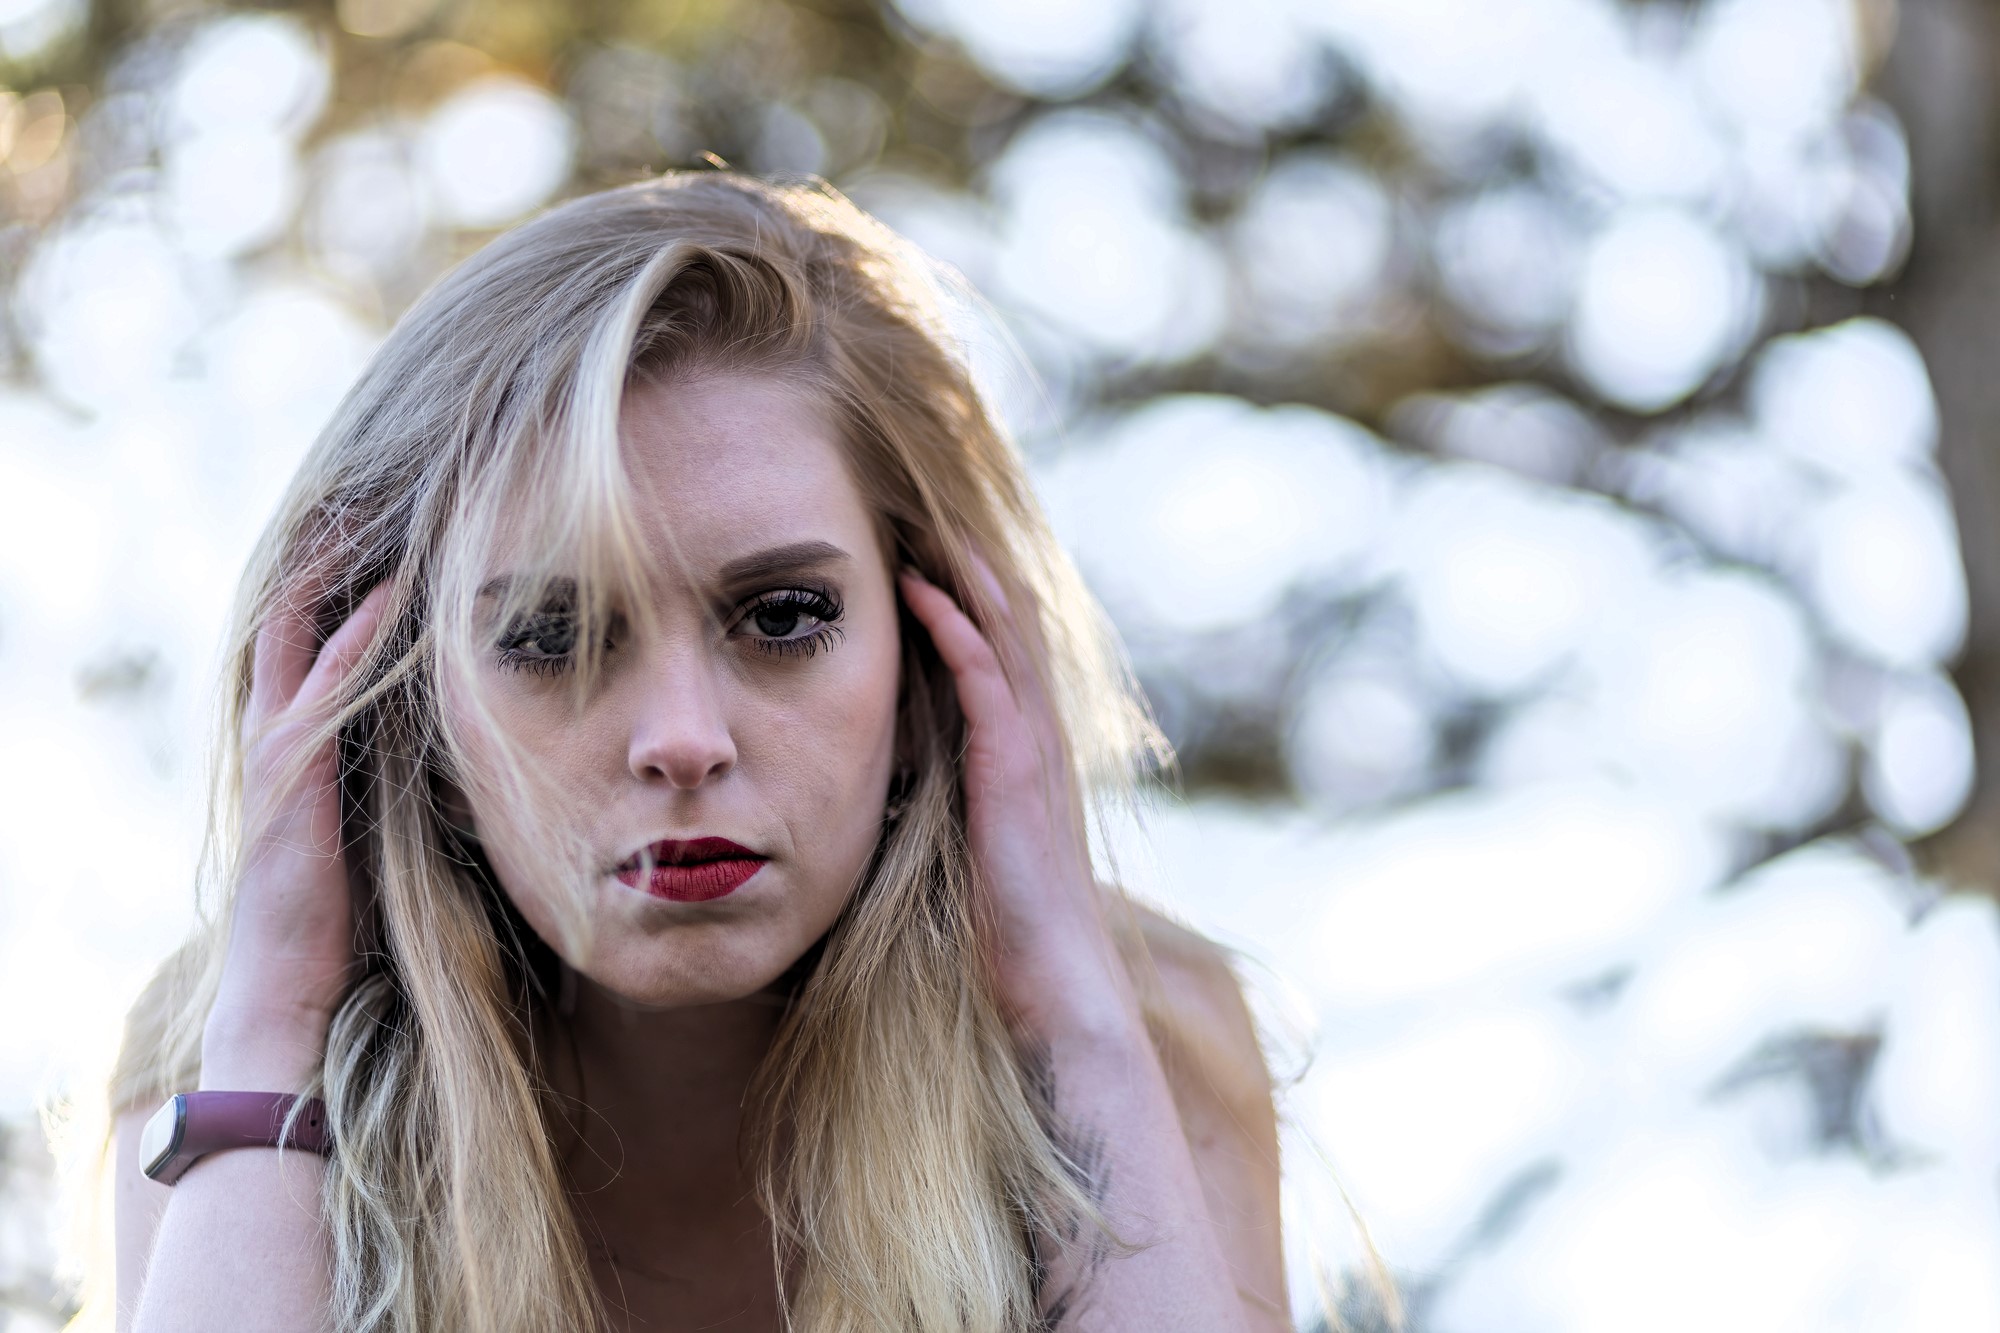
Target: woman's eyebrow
{"points": [[500, 585], [772, 562], [776, 561]]}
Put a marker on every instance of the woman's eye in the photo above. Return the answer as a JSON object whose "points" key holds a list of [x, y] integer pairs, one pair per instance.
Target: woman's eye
{"points": [[777, 621], [791, 620], [543, 642]]}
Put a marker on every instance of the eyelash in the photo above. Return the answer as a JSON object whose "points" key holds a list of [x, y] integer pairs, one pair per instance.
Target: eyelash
{"points": [[816, 602], [530, 629]]}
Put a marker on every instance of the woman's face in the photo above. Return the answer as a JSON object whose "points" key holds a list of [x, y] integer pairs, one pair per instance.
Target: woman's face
{"points": [[758, 706]]}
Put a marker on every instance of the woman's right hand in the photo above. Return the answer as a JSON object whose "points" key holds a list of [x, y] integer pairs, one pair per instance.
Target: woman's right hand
{"points": [[291, 942]]}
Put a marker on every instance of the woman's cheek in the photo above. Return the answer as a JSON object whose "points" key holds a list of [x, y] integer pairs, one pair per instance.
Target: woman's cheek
{"points": [[565, 791], [852, 761]]}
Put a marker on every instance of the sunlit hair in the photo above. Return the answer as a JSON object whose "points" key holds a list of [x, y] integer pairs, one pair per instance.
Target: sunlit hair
{"points": [[908, 1161]]}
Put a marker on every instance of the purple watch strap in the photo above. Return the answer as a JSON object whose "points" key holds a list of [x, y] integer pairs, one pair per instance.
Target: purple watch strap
{"points": [[214, 1121]]}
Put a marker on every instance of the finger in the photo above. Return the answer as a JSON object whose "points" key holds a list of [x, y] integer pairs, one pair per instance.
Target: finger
{"points": [[283, 656], [990, 581], [1023, 652], [1017, 633], [1008, 624], [344, 648], [966, 652]]}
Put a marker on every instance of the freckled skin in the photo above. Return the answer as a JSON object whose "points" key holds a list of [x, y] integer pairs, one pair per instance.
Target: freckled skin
{"points": [[697, 732]]}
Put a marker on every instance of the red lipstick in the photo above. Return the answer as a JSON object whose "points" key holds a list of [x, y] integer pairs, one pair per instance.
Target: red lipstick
{"points": [[693, 871]]}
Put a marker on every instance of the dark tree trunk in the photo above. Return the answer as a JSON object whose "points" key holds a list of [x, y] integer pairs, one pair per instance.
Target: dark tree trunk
{"points": [[1940, 79]]}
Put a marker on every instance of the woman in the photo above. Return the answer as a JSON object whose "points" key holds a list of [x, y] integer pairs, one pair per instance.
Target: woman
{"points": [[659, 728]]}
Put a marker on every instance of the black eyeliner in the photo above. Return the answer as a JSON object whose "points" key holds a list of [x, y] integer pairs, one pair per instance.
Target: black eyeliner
{"points": [[815, 600]]}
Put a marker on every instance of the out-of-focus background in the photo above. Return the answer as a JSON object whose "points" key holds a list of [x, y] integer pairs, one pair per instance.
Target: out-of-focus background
{"points": [[1542, 455]]}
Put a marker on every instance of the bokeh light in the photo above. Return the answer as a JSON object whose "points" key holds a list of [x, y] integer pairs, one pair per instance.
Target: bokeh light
{"points": [[1512, 439]]}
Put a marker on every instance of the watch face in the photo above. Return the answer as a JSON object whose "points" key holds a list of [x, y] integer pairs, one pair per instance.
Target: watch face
{"points": [[160, 1137]]}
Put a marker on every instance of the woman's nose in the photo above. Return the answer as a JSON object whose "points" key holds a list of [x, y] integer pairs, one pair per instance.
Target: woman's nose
{"points": [[680, 732]]}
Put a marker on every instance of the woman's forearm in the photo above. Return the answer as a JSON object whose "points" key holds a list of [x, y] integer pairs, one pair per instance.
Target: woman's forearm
{"points": [[242, 1243], [1116, 1111]]}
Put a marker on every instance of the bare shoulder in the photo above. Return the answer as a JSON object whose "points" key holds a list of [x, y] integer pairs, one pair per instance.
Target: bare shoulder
{"points": [[1221, 1084], [1209, 1032]]}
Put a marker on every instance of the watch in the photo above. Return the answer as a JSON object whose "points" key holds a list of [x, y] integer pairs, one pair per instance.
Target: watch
{"points": [[193, 1124]]}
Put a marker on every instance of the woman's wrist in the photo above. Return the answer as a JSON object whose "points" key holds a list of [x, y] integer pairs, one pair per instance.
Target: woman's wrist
{"points": [[1075, 1001], [255, 1043]]}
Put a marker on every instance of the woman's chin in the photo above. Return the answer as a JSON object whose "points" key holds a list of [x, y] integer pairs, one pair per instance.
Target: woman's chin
{"points": [[714, 977]]}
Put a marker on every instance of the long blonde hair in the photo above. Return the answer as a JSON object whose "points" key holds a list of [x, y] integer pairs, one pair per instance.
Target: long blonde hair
{"points": [[909, 1165]]}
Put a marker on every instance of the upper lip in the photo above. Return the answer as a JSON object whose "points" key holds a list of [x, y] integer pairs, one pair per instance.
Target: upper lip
{"points": [[690, 851]]}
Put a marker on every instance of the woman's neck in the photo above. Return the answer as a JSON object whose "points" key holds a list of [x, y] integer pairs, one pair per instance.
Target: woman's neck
{"points": [[659, 1094], [663, 1193]]}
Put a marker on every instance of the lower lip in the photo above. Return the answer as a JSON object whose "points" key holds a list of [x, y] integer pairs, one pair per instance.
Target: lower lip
{"points": [[694, 883]]}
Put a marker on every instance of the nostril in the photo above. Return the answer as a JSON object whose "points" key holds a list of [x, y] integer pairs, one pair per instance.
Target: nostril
{"points": [[684, 762]]}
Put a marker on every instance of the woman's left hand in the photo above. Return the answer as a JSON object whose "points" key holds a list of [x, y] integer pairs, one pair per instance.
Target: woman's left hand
{"points": [[1053, 961], [1063, 987]]}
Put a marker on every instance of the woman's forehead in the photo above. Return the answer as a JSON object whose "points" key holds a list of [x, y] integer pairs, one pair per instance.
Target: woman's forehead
{"points": [[731, 474], [728, 465], [724, 437]]}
